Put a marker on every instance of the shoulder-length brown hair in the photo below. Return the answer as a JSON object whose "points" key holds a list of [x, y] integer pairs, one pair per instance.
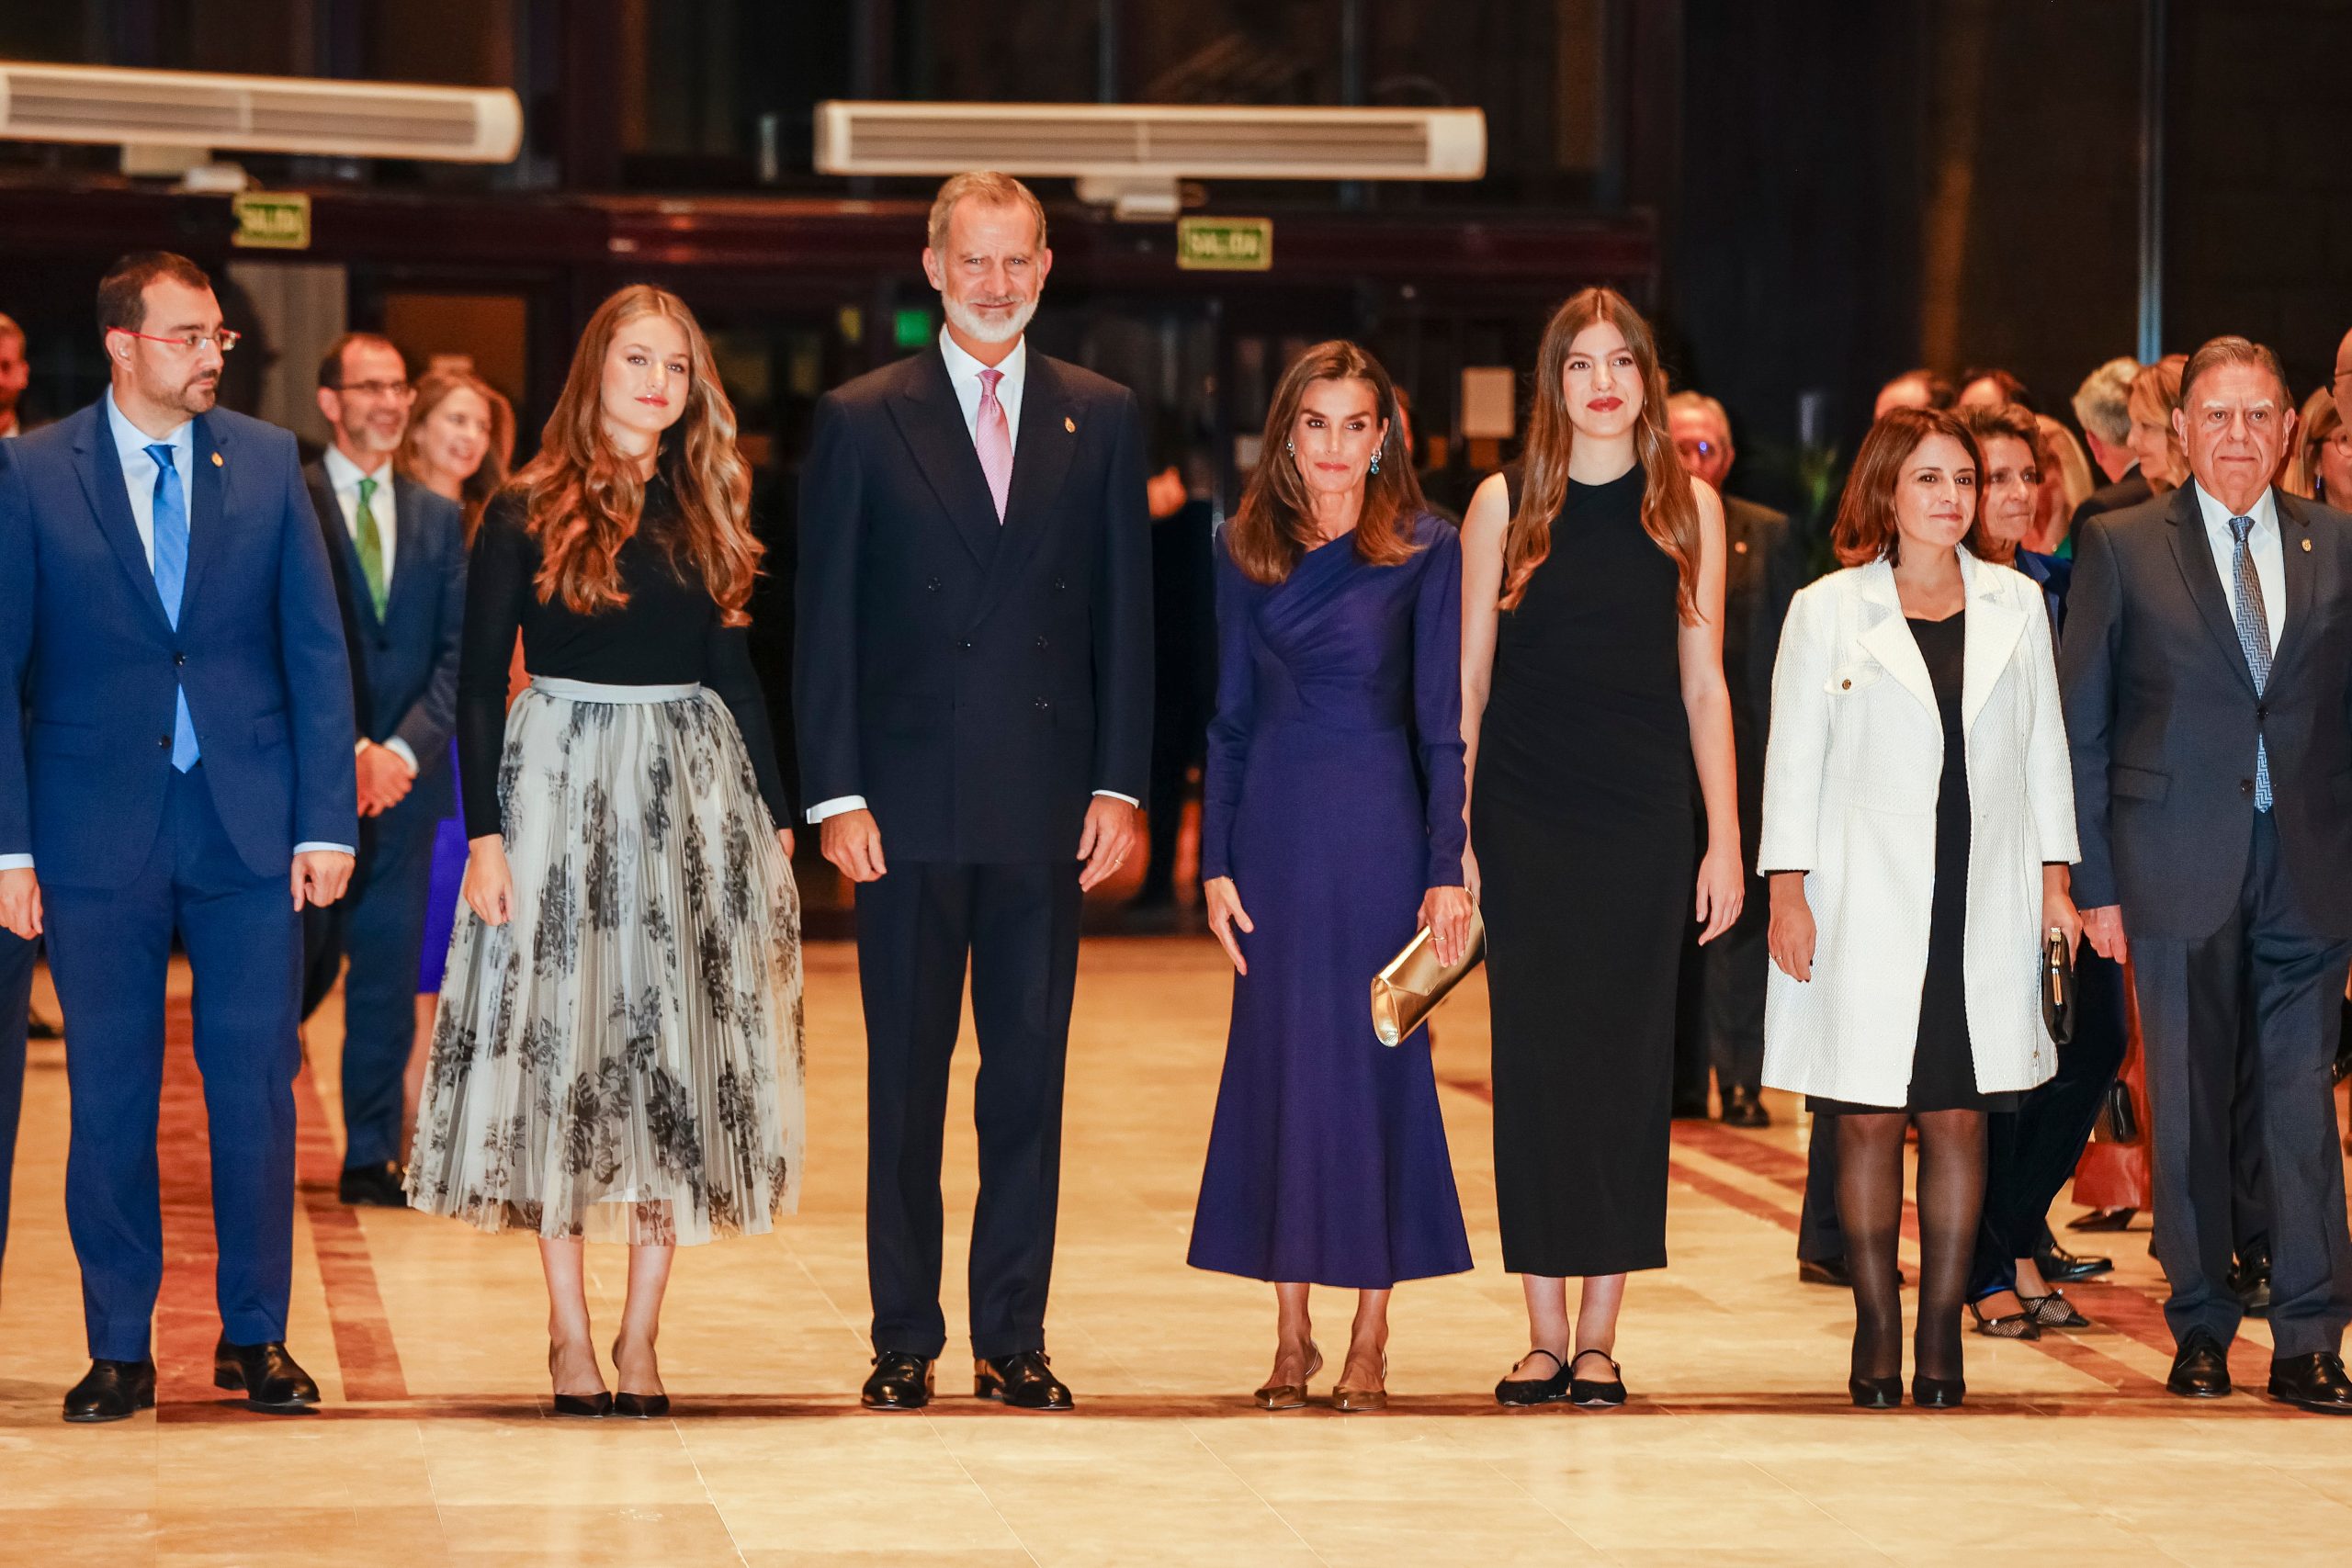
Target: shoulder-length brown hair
{"points": [[1670, 512], [432, 390], [582, 498], [1272, 527], [1865, 530]]}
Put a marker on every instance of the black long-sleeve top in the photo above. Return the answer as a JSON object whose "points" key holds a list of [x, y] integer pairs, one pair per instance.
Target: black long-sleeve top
{"points": [[668, 634]]}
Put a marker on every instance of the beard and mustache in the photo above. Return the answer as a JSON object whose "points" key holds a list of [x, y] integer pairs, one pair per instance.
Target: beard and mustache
{"points": [[969, 320]]}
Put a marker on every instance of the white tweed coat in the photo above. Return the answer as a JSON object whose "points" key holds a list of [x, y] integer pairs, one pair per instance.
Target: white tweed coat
{"points": [[1850, 779]]}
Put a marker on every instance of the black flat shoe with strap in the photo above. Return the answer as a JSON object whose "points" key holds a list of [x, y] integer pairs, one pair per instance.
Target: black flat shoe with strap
{"points": [[1596, 1393], [2053, 1311], [2008, 1325], [1535, 1391]]}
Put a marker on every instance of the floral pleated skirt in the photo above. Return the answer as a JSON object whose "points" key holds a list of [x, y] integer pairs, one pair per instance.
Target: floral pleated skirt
{"points": [[621, 1061]]}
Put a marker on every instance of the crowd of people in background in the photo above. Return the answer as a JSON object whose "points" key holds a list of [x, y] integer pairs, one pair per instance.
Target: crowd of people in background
{"points": [[486, 747]]}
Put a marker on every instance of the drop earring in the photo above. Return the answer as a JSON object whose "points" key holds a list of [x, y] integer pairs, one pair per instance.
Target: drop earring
{"points": [[1289, 448], [1375, 462]]}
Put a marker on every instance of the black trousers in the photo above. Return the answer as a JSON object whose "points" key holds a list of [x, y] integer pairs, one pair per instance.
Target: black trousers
{"points": [[1819, 1236], [2030, 1152], [1737, 963], [1018, 925], [2260, 984]]}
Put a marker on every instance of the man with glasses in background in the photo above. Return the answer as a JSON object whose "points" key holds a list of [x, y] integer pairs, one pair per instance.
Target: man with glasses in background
{"points": [[398, 555], [174, 759]]}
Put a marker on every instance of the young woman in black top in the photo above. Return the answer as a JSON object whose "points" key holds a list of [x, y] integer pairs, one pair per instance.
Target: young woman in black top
{"points": [[618, 1052]]}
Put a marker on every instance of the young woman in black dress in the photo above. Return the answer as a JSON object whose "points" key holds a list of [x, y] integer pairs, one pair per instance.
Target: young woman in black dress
{"points": [[1593, 594]]}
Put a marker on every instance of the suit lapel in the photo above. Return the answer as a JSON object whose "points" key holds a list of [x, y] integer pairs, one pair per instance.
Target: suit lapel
{"points": [[100, 467], [931, 422], [2203, 578], [1889, 639], [407, 553], [1987, 641], [2301, 570], [207, 511], [1040, 463]]}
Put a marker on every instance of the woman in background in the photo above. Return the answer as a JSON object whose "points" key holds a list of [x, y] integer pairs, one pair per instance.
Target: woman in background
{"points": [[1919, 823], [2065, 484], [2322, 467], [1332, 812], [460, 446], [1592, 696], [2029, 1151], [617, 1054], [2155, 393]]}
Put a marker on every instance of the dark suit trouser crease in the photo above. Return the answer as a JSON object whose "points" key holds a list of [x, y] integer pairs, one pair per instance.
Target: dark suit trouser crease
{"points": [[1018, 924], [16, 960], [383, 931], [2031, 1151], [1737, 963], [109, 951], [1819, 1236], [2261, 985]]}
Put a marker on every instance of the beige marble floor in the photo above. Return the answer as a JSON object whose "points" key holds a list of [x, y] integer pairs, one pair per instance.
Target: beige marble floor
{"points": [[436, 1445]]}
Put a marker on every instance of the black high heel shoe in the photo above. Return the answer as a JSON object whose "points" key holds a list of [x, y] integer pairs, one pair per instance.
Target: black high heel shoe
{"points": [[1875, 1394], [591, 1405], [1937, 1394], [637, 1406]]}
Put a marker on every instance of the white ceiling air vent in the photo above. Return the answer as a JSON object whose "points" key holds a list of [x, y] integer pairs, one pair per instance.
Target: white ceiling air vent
{"points": [[159, 117], [1135, 154]]}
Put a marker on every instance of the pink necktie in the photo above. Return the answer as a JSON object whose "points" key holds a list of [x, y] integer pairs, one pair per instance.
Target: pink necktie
{"points": [[994, 438]]}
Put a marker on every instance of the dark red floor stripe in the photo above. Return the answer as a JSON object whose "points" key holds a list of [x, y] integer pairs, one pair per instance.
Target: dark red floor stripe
{"points": [[187, 1320]]}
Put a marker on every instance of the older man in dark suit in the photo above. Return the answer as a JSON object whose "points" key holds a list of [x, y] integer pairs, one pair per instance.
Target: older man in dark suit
{"points": [[973, 690], [2208, 678], [2102, 405]]}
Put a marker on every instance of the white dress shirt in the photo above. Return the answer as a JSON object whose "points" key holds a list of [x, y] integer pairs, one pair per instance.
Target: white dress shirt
{"points": [[344, 477], [2261, 542], [963, 375], [138, 471]]}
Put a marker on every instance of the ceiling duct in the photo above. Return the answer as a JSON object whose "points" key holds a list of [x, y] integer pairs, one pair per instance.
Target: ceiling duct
{"points": [[1136, 156]]}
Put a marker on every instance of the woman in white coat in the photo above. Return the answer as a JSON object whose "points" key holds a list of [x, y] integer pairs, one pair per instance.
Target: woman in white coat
{"points": [[1918, 824]]}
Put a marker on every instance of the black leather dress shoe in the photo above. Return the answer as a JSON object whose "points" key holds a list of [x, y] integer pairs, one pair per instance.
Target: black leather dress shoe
{"points": [[112, 1391], [40, 1027], [2201, 1369], [2250, 1279], [373, 1185], [1742, 1108], [1825, 1272], [271, 1379], [899, 1382], [2060, 1267], [1023, 1380], [2316, 1381]]}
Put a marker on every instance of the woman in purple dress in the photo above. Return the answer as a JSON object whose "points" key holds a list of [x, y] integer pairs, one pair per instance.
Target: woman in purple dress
{"points": [[1333, 811]]}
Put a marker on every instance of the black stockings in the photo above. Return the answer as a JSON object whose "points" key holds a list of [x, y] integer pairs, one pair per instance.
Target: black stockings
{"points": [[1869, 1207]]}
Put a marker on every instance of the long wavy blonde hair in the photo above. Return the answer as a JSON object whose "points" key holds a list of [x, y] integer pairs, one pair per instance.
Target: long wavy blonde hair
{"points": [[1670, 512], [583, 498]]}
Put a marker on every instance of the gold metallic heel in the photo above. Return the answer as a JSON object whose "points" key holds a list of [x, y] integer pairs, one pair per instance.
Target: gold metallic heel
{"points": [[1291, 1395], [1362, 1399]]}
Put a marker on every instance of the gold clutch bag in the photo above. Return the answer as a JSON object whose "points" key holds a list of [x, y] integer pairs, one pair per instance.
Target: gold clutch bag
{"points": [[1404, 993]]}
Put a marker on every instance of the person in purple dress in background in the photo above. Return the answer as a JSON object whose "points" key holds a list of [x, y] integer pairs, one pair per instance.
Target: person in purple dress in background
{"points": [[460, 443], [1331, 829]]}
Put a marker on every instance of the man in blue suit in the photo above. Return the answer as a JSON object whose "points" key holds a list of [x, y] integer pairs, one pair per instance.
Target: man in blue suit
{"points": [[401, 551], [175, 742]]}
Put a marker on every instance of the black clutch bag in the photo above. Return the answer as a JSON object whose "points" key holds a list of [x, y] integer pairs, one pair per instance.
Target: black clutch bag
{"points": [[2121, 1122], [2058, 988]]}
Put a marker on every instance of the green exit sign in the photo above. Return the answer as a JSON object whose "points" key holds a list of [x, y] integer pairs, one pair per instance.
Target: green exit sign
{"points": [[272, 220], [1224, 244]]}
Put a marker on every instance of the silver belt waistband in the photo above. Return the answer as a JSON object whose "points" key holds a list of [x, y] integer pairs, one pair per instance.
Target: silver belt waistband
{"points": [[597, 691]]}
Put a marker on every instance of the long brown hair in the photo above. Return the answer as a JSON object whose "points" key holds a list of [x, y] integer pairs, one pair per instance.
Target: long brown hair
{"points": [[1670, 512], [582, 497], [432, 390], [1865, 530], [1275, 522]]}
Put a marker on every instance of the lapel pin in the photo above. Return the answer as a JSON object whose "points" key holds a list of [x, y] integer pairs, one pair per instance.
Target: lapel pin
{"points": [[2307, 545], [1069, 425], [217, 463], [1739, 546]]}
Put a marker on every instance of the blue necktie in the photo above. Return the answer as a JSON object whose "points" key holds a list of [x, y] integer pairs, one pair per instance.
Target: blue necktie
{"points": [[2254, 636], [171, 583]]}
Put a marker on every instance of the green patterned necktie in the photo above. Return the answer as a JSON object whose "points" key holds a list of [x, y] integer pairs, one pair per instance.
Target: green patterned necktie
{"points": [[371, 548]]}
